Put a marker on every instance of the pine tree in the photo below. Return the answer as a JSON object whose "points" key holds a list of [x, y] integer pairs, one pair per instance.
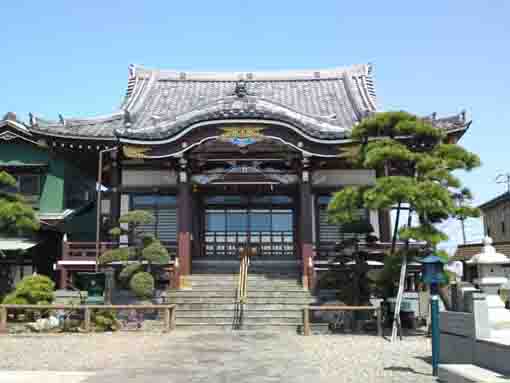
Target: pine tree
{"points": [[417, 162], [418, 165], [17, 217], [143, 256]]}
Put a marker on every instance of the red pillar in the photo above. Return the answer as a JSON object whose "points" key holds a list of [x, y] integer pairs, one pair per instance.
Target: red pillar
{"points": [[115, 183], [63, 278], [184, 223], [306, 226]]}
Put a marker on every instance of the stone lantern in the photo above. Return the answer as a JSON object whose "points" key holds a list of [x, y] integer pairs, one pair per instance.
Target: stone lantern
{"points": [[491, 277]]}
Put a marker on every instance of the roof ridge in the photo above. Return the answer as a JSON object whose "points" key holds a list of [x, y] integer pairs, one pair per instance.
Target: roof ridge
{"points": [[325, 118], [141, 72], [62, 121]]}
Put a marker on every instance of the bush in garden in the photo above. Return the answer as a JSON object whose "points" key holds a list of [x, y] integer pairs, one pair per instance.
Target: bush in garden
{"points": [[33, 290], [105, 320], [144, 255], [142, 284], [128, 271]]}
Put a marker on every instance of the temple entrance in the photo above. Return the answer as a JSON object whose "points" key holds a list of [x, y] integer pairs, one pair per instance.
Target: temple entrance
{"points": [[265, 222]]}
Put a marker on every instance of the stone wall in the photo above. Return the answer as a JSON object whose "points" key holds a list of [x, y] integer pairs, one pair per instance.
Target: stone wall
{"points": [[466, 339]]}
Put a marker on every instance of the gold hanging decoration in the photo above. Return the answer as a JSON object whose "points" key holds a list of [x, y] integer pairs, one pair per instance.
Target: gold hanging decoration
{"points": [[137, 152]]}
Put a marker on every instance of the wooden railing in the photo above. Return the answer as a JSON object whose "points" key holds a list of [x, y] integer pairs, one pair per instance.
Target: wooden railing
{"points": [[81, 250], [306, 315], [221, 243], [168, 312], [324, 252]]}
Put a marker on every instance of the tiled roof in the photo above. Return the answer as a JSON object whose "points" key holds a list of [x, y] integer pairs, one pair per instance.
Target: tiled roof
{"points": [[457, 122], [324, 104], [102, 127], [495, 201], [11, 121], [466, 252]]}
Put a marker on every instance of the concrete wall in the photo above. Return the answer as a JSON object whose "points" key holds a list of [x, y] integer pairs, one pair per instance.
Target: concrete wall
{"points": [[466, 339]]}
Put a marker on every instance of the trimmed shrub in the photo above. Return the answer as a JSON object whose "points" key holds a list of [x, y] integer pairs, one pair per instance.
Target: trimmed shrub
{"points": [[128, 271], [142, 284], [33, 289], [121, 254], [105, 320], [156, 253], [12, 299], [137, 217]]}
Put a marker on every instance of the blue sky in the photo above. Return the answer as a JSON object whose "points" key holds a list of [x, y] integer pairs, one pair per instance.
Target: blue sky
{"points": [[434, 56]]}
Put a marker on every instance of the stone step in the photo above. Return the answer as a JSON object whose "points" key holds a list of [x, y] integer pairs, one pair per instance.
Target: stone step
{"points": [[259, 293], [253, 282], [258, 272], [228, 326], [259, 300], [296, 314], [246, 320], [251, 286], [233, 288], [234, 269], [233, 284], [468, 373], [232, 306], [251, 277]]}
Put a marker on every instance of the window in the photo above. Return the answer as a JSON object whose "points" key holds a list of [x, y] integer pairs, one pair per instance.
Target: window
{"points": [[331, 232], [77, 193], [503, 227], [29, 185], [164, 210]]}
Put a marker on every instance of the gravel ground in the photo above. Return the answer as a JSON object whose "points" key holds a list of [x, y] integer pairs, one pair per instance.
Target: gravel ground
{"points": [[185, 356]]}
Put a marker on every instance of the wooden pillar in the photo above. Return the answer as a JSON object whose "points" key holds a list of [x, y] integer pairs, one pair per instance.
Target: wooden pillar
{"points": [[306, 321], [385, 225], [305, 223], [3, 320], [379, 321], [87, 319], [166, 319], [385, 230], [184, 221], [63, 277], [115, 182]]}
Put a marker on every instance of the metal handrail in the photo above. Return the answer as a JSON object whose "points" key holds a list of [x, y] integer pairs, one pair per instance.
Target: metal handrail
{"points": [[242, 288], [242, 285]]}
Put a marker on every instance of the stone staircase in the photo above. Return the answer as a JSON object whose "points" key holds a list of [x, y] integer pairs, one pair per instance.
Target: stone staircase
{"points": [[275, 295]]}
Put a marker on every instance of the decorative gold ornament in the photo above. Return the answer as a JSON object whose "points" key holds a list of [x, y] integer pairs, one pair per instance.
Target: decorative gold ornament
{"points": [[135, 151], [349, 151], [242, 135], [242, 132]]}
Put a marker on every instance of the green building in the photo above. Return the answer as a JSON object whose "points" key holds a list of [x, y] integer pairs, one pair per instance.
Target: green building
{"points": [[61, 194]]}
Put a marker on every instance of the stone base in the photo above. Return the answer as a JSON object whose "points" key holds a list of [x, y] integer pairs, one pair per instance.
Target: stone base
{"points": [[468, 373], [184, 282]]}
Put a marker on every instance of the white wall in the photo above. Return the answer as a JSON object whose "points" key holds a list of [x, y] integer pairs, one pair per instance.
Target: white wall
{"points": [[148, 177], [343, 177]]}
